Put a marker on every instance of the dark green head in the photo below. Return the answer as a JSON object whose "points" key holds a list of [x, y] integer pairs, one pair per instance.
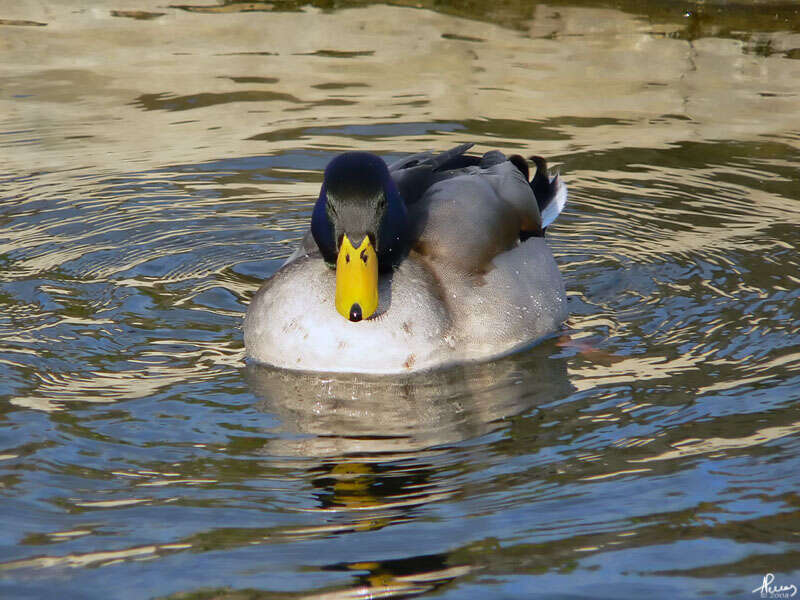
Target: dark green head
{"points": [[360, 224], [359, 198]]}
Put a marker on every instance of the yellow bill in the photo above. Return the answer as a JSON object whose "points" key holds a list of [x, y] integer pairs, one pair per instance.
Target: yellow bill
{"points": [[356, 280]]}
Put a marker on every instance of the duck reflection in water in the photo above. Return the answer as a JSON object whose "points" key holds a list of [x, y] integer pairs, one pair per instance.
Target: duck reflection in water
{"points": [[343, 415], [378, 449]]}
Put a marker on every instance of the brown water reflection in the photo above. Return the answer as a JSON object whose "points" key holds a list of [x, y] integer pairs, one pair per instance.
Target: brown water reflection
{"points": [[237, 75]]}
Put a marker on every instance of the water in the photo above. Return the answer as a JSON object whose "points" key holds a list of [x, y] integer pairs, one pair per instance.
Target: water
{"points": [[157, 164]]}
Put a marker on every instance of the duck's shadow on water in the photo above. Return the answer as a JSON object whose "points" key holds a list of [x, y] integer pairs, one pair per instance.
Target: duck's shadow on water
{"points": [[339, 415]]}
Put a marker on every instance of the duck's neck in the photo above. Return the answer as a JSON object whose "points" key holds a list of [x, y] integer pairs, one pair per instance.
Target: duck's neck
{"points": [[394, 230], [322, 229]]}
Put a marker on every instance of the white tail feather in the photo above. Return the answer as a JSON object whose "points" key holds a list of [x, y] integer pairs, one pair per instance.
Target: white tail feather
{"points": [[557, 204]]}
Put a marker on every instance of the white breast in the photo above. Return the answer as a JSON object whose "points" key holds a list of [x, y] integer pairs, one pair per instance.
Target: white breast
{"points": [[427, 316]]}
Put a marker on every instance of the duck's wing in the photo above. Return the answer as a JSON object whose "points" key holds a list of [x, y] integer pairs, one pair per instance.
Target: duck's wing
{"points": [[414, 174], [469, 215]]}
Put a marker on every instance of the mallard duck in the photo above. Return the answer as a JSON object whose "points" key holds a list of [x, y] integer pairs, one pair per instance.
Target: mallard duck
{"points": [[432, 260]]}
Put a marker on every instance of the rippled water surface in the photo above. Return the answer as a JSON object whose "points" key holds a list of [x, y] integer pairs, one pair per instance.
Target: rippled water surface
{"points": [[158, 162]]}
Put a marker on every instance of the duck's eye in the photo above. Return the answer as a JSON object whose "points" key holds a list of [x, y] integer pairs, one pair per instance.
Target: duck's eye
{"points": [[364, 256], [346, 258]]}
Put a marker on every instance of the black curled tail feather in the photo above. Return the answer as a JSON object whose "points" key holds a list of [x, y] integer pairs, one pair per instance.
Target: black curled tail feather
{"points": [[543, 188], [522, 164]]}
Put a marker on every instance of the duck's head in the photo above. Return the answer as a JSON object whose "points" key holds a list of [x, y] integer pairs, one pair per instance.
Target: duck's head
{"points": [[360, 224]]}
